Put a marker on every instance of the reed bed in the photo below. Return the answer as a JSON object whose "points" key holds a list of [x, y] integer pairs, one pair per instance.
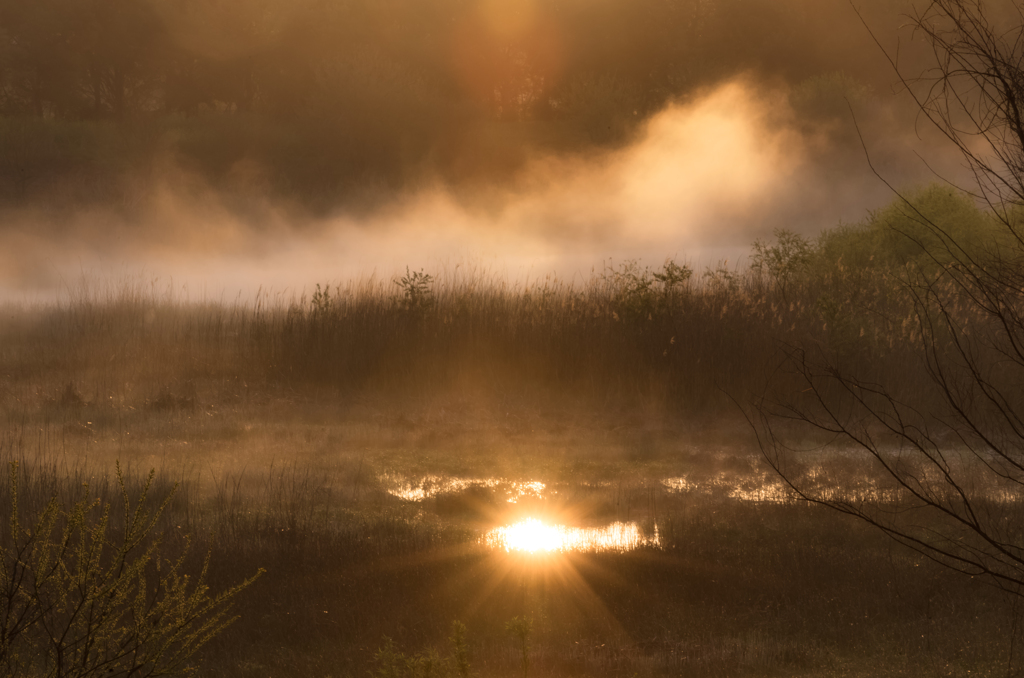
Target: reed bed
{"points": [[624, 340]]}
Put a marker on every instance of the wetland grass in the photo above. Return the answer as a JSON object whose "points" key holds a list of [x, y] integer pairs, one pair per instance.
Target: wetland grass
{"points": [[734, 587], [359, 443]]}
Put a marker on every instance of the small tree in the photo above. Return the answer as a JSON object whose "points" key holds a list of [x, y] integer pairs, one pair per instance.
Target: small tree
{"points": [[521, 628], [417, 290], [783, 261], [80, 598]]}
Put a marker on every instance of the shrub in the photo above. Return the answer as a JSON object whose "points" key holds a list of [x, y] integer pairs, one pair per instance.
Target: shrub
{"points": [[391, 662], [521, 628], [84, 594]]}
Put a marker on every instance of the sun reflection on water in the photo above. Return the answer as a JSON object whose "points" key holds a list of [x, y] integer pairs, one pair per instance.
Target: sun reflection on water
{"points": [[433, 485], [533, 536]]}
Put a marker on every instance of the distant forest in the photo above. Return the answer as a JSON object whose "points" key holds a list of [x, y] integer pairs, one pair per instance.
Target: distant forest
{"points": [[316, 99]]}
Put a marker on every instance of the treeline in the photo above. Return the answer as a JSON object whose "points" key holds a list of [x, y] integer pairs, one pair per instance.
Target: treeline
{"points": [[82, 59], [665, 337], [327, 94]]}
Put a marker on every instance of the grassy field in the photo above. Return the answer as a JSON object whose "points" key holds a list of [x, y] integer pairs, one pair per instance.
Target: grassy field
{"points": [[360, 444], [736, 586]]}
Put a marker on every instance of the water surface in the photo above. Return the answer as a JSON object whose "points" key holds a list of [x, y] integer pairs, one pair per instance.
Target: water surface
{"points": [[535, 536]]}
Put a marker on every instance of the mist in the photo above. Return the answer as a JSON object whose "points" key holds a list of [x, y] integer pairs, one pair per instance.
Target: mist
{"points": [[224, 150], [698, 181]]}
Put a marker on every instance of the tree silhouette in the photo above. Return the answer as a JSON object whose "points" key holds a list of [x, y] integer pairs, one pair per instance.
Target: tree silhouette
{"points": [[950, 453]]}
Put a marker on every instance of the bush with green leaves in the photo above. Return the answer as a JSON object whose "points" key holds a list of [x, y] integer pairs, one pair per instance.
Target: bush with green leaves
{"points": [[86, 591], [927, 228]]}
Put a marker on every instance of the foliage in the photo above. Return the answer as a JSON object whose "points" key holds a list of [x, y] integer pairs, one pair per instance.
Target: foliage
{"points": [[783, 261], [320, 303], [85, 594], [911, 230], [520, 628], [637, 291], [720, 280], [391, 662], [460, 651], [417, 290], [673, 275]]}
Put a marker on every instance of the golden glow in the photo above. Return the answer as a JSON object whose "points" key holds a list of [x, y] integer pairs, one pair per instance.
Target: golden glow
{"points": [[530, 535], [430, 486], [756, 488], [533, 536], [508, 19], [529, 489], [680, 484], [507, 55]]}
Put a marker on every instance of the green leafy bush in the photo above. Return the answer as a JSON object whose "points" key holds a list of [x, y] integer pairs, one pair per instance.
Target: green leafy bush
{"points": [[84, 592]]}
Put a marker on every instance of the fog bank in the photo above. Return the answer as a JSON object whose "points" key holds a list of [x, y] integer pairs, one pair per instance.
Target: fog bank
{"points": [[700, 180]]}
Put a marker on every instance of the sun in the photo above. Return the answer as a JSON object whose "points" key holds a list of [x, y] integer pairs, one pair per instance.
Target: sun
{"points": [[533, 536], [530, 535]]}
